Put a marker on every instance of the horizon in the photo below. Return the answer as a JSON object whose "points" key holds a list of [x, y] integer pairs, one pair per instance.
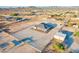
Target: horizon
{"points": [[35, 6]]}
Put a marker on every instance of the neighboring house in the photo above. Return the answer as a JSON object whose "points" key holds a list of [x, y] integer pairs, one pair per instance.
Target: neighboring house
{"points": [[75, 26], [60, 36], [45, 27], [22, 19], [18, 19], [8, 17]]}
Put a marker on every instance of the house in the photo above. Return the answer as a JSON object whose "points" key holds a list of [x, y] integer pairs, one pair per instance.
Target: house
{"points": [[3, 45], [60, 36], [75, 26], [18, 19], [45, 27], [22, 19], [17, 43], [8, 18], [27, 40]]}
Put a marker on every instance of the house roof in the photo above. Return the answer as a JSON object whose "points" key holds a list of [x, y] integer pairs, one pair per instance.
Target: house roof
{"points": [[16, 42], [46, 25], [3, 45], [29, 39]]}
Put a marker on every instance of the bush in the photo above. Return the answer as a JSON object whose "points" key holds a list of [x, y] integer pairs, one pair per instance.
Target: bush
{"points": [[77, 34], [15, 14]]}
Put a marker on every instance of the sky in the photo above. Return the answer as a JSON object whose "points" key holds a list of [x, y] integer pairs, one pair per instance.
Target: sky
{"points": [[39, 3]]}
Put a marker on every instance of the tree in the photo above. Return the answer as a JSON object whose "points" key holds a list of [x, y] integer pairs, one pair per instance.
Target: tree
{"points": [[15, 14], [75, 16]]}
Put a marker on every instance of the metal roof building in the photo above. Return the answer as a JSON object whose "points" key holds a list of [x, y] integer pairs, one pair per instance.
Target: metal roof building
{"points": [[60, 36], [45, 27]]}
